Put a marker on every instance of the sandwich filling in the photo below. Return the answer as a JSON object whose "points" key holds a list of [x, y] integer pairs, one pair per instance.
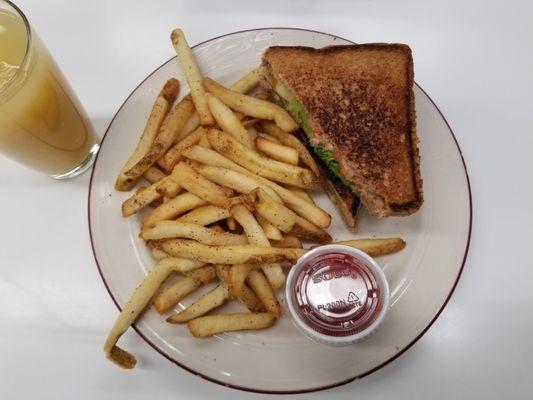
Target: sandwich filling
{"points": [[284, 97]]}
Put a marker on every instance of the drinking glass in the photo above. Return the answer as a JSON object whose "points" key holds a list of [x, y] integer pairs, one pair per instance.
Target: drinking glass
{"points": [[42, 123]]}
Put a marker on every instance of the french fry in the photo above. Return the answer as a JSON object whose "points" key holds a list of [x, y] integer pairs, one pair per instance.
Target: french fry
{"points": [[237, 277], [227, 120], [159, 111], [288, 241], [268, 137], [376, 247], [141, 199], [204, 142], [169, 188], [173, 208], [211, 325], [260, 165], [190, 126], [235, 180], [290, 140], [252, 132], [156, 203], [277, 151], [205, 215], [259, 284], [209, 301], [307, 231], [135, 306], [251, 106], [200, 186], [172, 124], [193, 75], [246, 296], [231, 223], [301, 193], [171, 295], [175, 229], [270, 230], [173, 155], [309, 211], [262, 95], [249, 81], [249, 123], [158, 254], [287, 220], [154, 174], [245, 254], [257, 237]]}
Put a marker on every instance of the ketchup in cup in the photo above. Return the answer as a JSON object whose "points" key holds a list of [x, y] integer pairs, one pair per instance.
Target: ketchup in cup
{"points": [[337, 295]]}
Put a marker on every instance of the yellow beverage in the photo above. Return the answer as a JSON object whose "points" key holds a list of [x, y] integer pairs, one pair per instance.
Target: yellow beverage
{"points": [[42, 123]]}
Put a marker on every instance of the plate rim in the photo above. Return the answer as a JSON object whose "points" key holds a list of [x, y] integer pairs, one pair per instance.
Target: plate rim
{"points": [[297, 391]]}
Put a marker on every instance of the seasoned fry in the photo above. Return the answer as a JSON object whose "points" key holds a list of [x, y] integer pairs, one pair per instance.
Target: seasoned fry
{"points": [[154, 174], [287, 220], [172, 208], [158, 254], [376, 247], [159, 111], [135, 306], [288, 241], [190, 126], [268, 137], [257, 237], [245, 294], [227, 120], [231, 223], [245, 254], [301, 193], [270, 230], [200, 186], [173, 155], [259, 284], [235, 180], [193, 75], [301, 207], [249, 124], [307, 231], [204, 142], [249, 81], [205, 215], [252, 132], [171, 295], [209, 301], [169, 188], [277, 151], [237, 277], [211, 325], [141, 199], [175, 229], [260, 165], [290, 140], [251, 106], [172, 124]]}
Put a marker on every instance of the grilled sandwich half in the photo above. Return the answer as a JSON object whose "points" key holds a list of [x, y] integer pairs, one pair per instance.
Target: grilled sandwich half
{"points": [[355, 105]]}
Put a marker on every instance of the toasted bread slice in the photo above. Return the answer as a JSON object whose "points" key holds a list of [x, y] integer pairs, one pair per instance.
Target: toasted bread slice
{"points": [[359, 103]]}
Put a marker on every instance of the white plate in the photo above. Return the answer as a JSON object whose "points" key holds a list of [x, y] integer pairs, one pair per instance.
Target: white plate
{"points": [[422, 277]]}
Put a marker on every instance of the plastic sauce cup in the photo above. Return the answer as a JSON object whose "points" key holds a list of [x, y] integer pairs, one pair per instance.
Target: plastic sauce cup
{"points": [[337, 295]]}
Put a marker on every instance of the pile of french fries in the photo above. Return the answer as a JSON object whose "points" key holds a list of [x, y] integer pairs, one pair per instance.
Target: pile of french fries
{"points": [[228, 204]]}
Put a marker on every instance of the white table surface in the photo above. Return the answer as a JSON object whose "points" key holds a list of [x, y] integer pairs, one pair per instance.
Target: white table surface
{"points": [[475, 61]]}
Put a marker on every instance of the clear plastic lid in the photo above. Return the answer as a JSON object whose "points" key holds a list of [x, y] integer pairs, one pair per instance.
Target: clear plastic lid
{"points": [[337, 295]]}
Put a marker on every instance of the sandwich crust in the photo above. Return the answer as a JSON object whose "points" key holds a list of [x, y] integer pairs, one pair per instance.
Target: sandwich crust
{"points": [[360, 105]]}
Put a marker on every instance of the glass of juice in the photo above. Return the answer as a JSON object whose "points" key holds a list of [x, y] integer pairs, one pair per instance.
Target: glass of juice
{"points": [[42, 123]]}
